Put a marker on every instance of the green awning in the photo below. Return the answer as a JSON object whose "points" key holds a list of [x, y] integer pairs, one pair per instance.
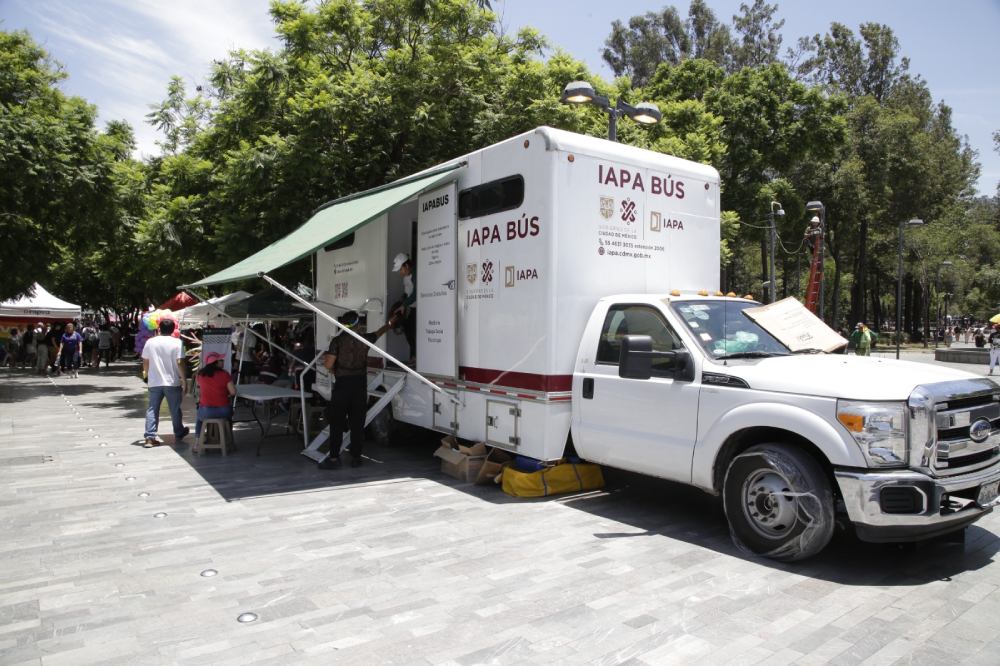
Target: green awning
{"points": [[331, 223]]}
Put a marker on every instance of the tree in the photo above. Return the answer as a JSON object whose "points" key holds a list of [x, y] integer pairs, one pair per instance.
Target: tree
{"points": [[758, 40], [902, 159], [360, 93], [857, 68], [664, 37], [58, 169]]}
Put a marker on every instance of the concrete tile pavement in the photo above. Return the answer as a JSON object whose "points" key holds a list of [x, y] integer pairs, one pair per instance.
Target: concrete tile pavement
{"points": [[395, 563]]}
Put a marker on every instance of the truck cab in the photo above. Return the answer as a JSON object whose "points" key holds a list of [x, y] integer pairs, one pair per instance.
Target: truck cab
{"points": [[689, 388]]}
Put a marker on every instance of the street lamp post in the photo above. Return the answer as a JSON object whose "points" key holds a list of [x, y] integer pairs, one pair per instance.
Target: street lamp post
{"points": [[937, 287], [581, 92], [780, 212], [915, 222]]}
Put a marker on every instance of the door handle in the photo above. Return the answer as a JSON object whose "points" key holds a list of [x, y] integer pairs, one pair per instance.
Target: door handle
{"points": [[588, 388]]}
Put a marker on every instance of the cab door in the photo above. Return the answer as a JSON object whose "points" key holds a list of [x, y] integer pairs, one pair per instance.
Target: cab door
{"points": [[644, 425]]}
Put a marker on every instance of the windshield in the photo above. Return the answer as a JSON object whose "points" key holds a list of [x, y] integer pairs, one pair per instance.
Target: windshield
{"points": [[724, 331]]}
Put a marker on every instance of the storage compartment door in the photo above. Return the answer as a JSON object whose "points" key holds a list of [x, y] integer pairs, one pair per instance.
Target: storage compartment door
{"points": [[501, 424], [437, 293], [445, 413]]}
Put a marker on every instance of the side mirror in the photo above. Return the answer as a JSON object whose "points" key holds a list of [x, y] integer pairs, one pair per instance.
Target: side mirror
{"points": [[636, 357]]}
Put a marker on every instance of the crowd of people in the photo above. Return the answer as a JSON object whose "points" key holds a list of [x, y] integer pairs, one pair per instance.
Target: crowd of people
{"points": [[60, 347]]}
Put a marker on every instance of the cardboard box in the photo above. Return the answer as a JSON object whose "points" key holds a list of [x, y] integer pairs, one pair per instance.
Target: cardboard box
{"points": [[492, 467], [477, 449], [456, 464]]}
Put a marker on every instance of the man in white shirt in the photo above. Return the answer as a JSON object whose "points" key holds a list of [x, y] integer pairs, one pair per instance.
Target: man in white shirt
{"points": [[163, 364]]}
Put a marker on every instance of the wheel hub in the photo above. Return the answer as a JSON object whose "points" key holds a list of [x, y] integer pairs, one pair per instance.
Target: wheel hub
{"points": [[768, 504]]}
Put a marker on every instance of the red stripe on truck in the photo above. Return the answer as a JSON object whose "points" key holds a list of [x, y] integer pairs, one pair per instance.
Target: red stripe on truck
{"points": [[522, 380]]}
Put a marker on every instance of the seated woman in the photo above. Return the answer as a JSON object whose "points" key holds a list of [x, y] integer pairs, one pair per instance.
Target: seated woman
{"points": [[215, 386]]}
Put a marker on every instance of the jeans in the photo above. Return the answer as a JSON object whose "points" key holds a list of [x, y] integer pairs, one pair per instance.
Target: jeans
{"points": [[69, 360], [205, 413], [156, 396]]}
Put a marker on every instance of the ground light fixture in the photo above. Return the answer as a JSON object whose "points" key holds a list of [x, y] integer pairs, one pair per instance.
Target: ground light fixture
{"points": [[581, 92], [915, 222]]}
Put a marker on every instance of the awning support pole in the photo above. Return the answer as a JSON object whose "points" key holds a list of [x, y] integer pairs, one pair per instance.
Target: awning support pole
{"points": [[343, 328]]}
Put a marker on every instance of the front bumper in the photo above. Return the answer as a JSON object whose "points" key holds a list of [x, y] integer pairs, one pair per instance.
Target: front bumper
{"points": [[948, 504]]}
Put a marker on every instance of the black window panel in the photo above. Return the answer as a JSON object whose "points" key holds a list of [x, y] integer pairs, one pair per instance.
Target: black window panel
{"points": [[346, 241], [492, 197]]}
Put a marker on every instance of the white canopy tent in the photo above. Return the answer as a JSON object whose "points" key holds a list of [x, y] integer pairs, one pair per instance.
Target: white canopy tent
{"points": [[39, 305], [210, 312]]}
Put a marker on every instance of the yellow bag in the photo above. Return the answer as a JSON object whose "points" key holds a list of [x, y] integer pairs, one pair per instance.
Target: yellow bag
{"points": [[565, 478]]}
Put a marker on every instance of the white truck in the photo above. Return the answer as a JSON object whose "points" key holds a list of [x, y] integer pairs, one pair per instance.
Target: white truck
{"points": [[567, 301]]}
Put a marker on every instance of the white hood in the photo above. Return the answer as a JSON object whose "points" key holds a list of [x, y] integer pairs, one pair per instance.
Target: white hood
{"points": [[838, 375]]}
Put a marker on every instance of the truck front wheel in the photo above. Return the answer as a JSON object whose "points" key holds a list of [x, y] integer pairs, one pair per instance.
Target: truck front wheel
{"points": [[778, 502]]}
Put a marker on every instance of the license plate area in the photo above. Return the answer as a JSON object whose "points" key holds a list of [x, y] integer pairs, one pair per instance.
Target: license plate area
{"points": [[989, 494]]}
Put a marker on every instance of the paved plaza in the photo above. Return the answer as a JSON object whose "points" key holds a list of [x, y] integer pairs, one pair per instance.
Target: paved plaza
{"points": [[104, 543]]}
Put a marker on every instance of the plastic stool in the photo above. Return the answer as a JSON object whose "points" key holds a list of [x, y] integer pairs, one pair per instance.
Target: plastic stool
{"points": [[215, 434]]}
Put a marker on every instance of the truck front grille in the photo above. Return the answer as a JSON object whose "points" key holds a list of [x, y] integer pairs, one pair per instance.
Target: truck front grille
{"points": [[957, 451]]}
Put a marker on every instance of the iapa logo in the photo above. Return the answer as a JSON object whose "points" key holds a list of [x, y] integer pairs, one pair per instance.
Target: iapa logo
{"points": [[513, 275]]}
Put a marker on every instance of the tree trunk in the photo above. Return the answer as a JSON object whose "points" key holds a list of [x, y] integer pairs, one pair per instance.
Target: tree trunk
{"points": [[835, 310], [763, 264], [876, 322]]}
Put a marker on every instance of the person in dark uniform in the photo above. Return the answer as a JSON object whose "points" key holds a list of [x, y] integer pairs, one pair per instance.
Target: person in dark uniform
{"points": [[347, 359]]}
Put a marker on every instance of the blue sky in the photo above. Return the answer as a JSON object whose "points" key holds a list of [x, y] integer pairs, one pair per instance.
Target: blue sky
{"points": [[119, 54]]}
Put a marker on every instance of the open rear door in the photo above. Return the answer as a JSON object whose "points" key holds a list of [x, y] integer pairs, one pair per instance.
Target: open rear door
{"points": [[437, 287]]}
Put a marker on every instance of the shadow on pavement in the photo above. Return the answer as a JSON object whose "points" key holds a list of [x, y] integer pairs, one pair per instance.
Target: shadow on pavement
{"points": [[652, 507], [662, 508]]}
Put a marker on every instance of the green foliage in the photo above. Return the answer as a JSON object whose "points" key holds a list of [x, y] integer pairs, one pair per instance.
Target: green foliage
{"points": [[663, 37], [58, 169], [360, 92], [759, 35]]}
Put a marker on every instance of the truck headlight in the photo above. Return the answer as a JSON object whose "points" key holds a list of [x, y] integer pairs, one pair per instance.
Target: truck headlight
{"points": [[879, 428]]}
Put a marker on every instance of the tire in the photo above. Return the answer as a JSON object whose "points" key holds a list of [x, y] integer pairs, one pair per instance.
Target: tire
{"points": [[778, 503]]}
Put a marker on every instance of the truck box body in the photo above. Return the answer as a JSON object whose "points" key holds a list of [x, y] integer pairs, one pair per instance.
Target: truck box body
{"points": [[505, 282]]}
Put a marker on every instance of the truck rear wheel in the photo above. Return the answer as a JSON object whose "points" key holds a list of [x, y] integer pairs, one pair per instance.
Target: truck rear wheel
{"points": [[778, 502]]}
